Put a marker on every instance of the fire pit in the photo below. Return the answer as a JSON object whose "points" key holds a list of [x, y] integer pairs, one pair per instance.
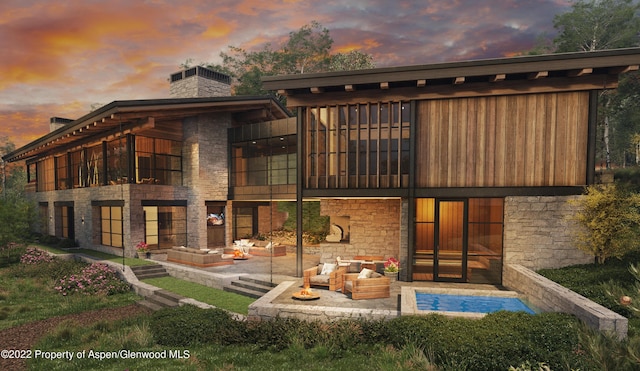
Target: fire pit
{"points": [[239, 255], [306, 294]]}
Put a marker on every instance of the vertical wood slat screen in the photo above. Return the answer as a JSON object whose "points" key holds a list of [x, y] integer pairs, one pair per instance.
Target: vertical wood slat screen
{"points": [[523, 140]]}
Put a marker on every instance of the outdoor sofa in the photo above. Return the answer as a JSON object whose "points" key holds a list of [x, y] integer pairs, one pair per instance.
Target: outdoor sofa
{"points": [[196, 257]]}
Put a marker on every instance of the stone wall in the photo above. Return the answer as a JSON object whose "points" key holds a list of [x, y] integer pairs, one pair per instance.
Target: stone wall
{"points": [[374, 226], [539, 234], [552, 297], [197, 87], [205, 171]]}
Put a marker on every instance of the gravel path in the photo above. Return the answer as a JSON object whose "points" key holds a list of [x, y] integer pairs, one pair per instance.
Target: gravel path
{"points": [[25, 336]]}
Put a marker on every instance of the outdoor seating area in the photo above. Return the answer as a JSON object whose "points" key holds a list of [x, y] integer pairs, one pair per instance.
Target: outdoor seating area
{"points": [[325, 275], [196, 257], [367, 284]]}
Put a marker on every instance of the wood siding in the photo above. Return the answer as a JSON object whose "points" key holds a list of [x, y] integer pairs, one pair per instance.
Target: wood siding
{"points": [[505, 141]]}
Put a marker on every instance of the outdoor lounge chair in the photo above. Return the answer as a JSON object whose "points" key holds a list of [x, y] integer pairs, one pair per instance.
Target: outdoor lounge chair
{"points": [[374, 287], [324, 276]]}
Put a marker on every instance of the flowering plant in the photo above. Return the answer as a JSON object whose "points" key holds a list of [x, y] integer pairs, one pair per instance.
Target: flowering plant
{"points": [[142, 246], [391, 265]]}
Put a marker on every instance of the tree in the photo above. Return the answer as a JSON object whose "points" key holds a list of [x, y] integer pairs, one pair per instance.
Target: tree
{"points": [[307, 50], [596, 25], [16, 210], [610, 219]]}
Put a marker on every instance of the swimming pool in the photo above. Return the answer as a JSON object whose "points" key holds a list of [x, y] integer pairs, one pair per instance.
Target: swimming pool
{"points": [[469, 303], [460, 302]]}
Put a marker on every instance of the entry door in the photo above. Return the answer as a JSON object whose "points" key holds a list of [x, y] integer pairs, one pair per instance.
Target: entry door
{"points": [[450, 260]]}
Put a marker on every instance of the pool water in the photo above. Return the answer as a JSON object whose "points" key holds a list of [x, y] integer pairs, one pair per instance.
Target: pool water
{"points": [[469, 303]]}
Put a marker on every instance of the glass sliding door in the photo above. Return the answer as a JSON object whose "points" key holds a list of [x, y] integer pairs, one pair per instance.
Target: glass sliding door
{"points": [[458, 240], [450, 263]]}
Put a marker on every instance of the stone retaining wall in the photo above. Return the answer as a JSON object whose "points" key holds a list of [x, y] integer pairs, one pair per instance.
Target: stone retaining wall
{"points": [[552, 297], [264, 309]]}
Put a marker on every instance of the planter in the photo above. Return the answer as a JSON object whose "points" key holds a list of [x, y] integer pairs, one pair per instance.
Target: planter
{"points": [[393, 276]]}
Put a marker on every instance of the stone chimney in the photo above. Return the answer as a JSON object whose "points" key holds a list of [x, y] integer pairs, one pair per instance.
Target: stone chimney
{"points": [[199, 82], [56, 123]]}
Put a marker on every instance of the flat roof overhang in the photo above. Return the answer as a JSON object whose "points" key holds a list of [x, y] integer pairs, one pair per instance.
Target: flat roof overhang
{"points": [[144, 112], [607, 64]]}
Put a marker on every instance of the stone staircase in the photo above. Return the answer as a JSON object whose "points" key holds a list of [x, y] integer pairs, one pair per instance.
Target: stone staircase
{"points": [[149, 271], [161, 299], [250, 287]]}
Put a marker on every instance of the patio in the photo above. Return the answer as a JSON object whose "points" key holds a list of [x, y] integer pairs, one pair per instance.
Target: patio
{"points": [[281, 270]]}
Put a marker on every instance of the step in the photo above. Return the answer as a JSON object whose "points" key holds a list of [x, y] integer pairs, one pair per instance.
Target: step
{"points": [[149, 271], [259, 282], [169, 295], [142, 276], [244, 291], [252, 286], [145, 268], [162, 301]]}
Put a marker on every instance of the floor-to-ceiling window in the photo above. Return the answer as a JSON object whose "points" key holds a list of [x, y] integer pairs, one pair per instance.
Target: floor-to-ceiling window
{"points": [[358, 145], [458, 240], [165, 226], [111, 226]]}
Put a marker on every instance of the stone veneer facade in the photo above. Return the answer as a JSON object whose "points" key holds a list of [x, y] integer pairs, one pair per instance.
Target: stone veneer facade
{"points": [[374, 226], [197, 86], [205, 171], [538, 232]]}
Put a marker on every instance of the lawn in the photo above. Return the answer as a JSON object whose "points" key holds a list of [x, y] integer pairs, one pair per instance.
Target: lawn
{"points": [[218, 298]]}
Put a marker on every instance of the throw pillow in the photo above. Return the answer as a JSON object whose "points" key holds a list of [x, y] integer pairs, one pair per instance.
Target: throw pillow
{"points": [[328, 268], [365, 273]]}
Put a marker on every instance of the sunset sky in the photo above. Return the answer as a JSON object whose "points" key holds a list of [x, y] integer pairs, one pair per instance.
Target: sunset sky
{"points": [[61, 57]]}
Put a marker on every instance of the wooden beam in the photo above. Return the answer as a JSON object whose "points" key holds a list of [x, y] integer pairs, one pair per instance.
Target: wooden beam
{"points": [[580, 72], [537, 75], [384, 85], [623, 69], [421, 83], [349, 88], [498, 77], [458, 80], [317, 90], [282, 92]]}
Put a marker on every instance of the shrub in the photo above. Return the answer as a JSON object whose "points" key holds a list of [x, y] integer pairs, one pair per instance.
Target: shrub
{"points": [[497, 341], [610, 217], [189, 325], [34, 256], [94, 279]]}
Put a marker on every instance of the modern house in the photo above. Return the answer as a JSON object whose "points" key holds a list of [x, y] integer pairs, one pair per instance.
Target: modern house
{"points": [[454, 168], [158, 170]]}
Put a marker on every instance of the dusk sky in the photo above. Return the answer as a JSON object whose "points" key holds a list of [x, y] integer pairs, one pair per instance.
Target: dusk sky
{"points": [[61, 57]]}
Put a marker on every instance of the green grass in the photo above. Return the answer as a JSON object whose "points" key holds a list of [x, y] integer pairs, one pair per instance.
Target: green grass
{"points": [[26, 298], [218, 298]]}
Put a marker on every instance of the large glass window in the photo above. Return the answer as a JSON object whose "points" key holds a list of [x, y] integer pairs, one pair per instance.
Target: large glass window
{"points": [[264, 162], [433, 238], [117, 160], [95, 166], [158, 161], [64, 222], [45, 174], [165, 226], [111, 226], [358, 146], [62, 172], [78, 169]]}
